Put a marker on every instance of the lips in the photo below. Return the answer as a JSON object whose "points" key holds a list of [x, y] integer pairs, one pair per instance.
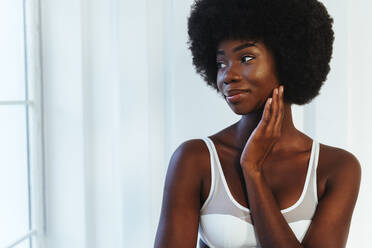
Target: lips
{"points": [[235, 92], [235, 96]]}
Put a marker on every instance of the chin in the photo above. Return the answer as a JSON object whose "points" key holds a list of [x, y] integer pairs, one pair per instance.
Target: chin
{"points": [[244, 109], [241, 109]]}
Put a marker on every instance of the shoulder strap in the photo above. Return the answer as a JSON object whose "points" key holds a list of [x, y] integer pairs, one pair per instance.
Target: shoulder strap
{"points": [[213, 171], [315, 166]]}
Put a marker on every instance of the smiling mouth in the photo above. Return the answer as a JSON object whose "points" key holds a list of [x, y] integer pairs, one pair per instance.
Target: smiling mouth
{"points": [[236, 96], [236, 92]]}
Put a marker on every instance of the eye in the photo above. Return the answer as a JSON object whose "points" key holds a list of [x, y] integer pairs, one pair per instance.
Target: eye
{"points": [[219, 65], [245, 60]]}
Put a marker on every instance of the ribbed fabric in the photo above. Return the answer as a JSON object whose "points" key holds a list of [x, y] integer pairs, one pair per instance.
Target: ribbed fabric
{"points": [[224, 223]]}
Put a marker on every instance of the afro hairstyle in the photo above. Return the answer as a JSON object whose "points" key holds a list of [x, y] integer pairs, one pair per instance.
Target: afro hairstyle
{"points": [[297, 32]]}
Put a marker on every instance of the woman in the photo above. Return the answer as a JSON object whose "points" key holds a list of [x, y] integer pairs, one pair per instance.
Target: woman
{"points": [[260, 182]]}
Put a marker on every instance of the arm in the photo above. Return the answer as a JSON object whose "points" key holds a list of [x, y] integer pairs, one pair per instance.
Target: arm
{"points": [[272, 229], [179, 219], [330, 225]]}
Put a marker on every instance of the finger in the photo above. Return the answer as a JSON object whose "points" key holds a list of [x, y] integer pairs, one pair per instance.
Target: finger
{"points": [[279, 120], [274, 113], [266, 113]]}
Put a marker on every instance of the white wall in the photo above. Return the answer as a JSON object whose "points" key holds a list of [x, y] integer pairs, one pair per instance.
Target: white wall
{"points": [[121, 94], [331, 104], [359, 87]]}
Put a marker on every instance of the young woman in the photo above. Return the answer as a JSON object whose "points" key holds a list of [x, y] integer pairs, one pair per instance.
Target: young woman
{"points": [[260, 182]]}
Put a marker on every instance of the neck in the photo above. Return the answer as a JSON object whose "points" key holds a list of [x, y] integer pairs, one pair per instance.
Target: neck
{"points": [[245, 126]]}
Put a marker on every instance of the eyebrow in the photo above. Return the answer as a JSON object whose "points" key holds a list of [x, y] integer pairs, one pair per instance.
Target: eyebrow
{"points": [[240, 47]]}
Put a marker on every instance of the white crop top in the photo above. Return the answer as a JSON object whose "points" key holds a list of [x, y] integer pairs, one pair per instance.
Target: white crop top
{"points": [[224, 223]]}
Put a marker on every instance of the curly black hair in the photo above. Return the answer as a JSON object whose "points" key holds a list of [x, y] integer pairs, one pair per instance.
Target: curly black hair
{"points": [[298, 33]]}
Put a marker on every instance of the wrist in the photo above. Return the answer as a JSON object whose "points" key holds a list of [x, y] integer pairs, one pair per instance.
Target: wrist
{"points": [[251, 170]]}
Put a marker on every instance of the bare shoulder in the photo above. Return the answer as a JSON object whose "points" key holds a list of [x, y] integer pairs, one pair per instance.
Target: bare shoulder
{"points": [[189, 164], [181, 197], [340, 164], [193, 153], [331, 221], [192, 148]]}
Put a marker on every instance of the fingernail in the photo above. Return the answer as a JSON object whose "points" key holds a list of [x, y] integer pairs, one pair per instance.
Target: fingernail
{"points": [[276, 91], [281, 89]]}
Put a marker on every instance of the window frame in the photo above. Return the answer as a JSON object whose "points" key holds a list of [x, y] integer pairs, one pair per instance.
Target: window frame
{"points": [[33, 103]]}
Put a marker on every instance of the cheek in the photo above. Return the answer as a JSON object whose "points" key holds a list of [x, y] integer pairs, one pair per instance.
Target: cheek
{"points": [[255, 76], [219, 82], [261, 76]]}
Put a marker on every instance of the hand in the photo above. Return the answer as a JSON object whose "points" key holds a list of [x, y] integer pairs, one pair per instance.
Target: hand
{"points": [[265, 135]]}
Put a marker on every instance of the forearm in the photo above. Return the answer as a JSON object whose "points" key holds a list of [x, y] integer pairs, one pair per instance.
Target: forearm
{"points": [[271, 226]]}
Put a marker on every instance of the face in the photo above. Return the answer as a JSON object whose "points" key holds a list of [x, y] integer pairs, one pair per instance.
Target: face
{"points": [[246, 74]]}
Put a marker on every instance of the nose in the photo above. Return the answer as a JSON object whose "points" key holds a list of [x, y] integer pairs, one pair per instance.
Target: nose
{"points": [[231, 75]]}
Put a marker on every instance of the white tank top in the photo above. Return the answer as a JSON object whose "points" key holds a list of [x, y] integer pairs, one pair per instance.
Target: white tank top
{"points": [[227, 224]]}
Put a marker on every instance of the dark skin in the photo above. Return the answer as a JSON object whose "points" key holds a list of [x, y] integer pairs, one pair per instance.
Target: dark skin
{"points": [[264, 160]]}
